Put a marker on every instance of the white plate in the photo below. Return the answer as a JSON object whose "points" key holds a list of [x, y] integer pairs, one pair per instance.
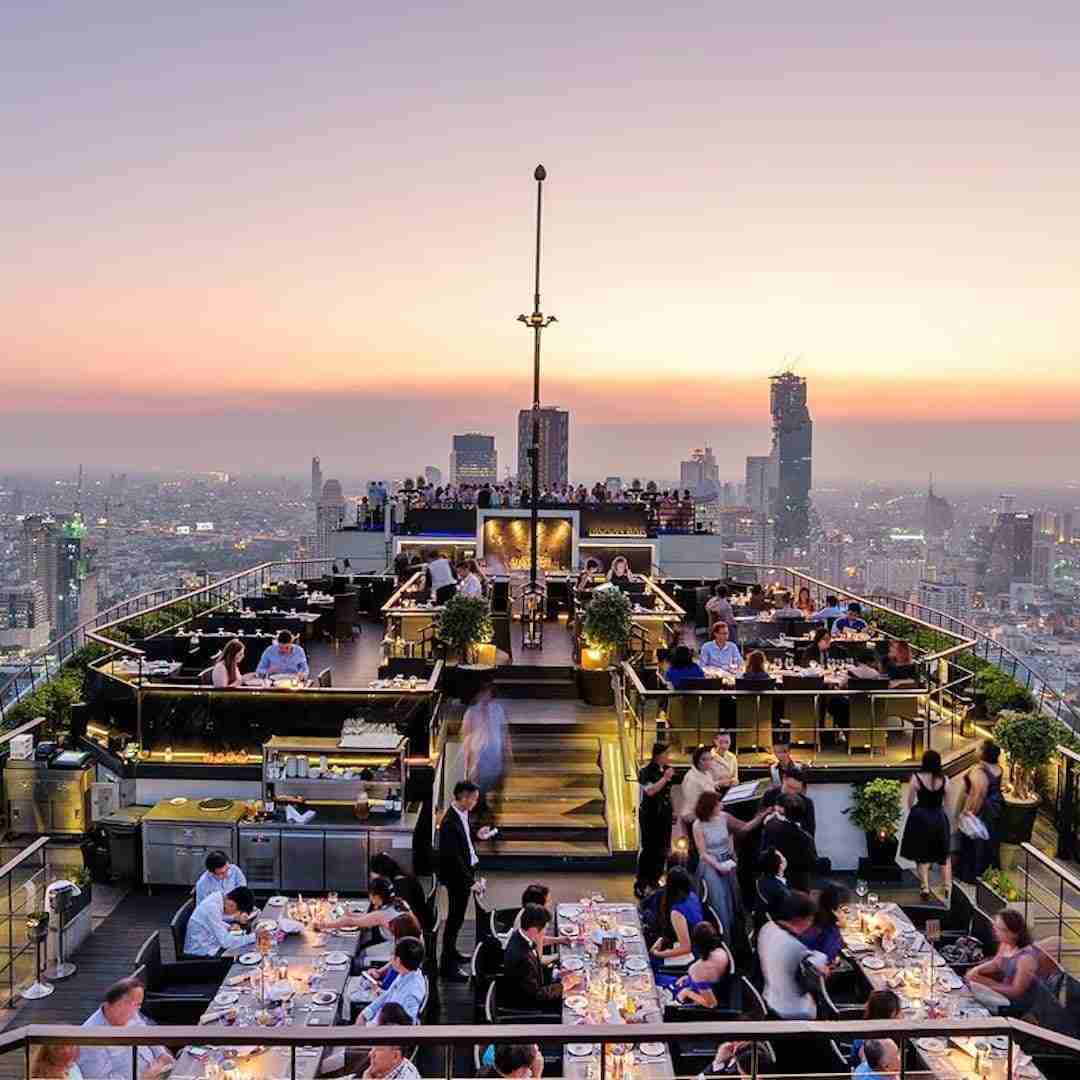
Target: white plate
{"points": [[576, 1003], [357, 908], [637, 963], [999, 1042], [178, 801], [226, 997], [336, 959], [874, 963], [570, 929], [935, 1046], [277, 901], [324, 997], [653, 1049], [347, 931], [249, 959], [572, 963], [571, 911], [581, 1049], [628, 931]]}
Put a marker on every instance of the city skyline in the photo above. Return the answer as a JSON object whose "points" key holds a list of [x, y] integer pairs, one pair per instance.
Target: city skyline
{"points": [[203, 232]]}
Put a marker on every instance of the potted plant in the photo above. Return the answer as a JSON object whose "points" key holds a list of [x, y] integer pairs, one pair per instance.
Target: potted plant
{"points": [[995, 890], [1029, 741], [464, 623], [875, 809], [605, 631]]}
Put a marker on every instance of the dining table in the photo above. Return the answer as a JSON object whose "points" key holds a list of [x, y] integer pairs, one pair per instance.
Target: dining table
{"points": [[305, 980], [900, 960], [607, 978]]}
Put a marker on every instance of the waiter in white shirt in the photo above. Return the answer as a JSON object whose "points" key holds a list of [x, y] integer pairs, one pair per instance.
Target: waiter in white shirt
{"points": [[208, 929], [441, 575], [121, 1009]]}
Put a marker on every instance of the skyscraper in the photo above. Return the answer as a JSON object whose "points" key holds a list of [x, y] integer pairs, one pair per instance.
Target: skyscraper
{"points": [[316, 479], [758, 473], [701, 474], [554, 447], [67, 549], [792, 440], [329, 516], [34, 551], [1012, 546], [24, 619], [939, 514], [473, 459]]}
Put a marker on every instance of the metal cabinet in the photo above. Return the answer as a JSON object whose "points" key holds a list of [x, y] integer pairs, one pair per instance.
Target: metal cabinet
{"points": [[259, 857], [302, 861], [347, 861], [175, 854]]}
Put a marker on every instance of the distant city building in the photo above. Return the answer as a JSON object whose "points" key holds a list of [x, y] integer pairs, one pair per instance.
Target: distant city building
{"points": [[554, 447], [893, 575], [34, 551], [792, 443], [433, 475], [613, 485], [474, 459], [939, 513], [316, 479], [67, 548], [740, 529], [1012, 544], [1065, 527], [24, 617], [701, 474], [329, 516], [948, 597], [758, 494]]}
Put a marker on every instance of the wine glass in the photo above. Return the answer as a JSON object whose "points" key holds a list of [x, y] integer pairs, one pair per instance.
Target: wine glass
{"points": [[861, 889], [872, 899]]}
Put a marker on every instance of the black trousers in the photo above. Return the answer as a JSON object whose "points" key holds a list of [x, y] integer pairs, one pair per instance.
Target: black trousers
{"points": [[655, 835], [444, 594], [458, 894]]}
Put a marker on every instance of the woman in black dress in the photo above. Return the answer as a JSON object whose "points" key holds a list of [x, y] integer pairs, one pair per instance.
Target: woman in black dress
{"points": [[926, 835]]}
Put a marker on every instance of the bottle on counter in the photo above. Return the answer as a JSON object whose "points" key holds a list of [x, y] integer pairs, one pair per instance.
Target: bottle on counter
{"points": [[361, 807]]}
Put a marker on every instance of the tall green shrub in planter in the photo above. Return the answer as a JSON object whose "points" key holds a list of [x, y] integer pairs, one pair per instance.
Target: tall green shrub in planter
{"points": [[608, 620], [463, 622], [1029, 740], [875, 808]]}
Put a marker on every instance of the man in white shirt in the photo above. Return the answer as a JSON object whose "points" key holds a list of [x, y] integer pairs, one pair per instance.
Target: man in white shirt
{"points": [[721, 652], [208, 928], [441, 573], [698, 779], [220, 876], [121, 1009]]}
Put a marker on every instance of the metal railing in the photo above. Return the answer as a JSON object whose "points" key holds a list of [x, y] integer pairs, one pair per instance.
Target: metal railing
{"points": [[986, 648], [443, 1041], [30, 867], [1051, 899], [49, 661]]}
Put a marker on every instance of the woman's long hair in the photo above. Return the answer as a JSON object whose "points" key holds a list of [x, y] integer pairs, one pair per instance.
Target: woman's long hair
{"points": [[230, 657], [677, 887]]}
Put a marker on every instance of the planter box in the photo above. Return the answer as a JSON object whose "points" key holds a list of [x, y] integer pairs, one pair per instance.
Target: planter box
{"points": [[594, 687], [988, 900], [1017, 821]]}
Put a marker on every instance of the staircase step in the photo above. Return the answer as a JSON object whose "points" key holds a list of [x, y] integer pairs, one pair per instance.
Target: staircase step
{"points": [[554, 847], [530, 786], [534, 672], [533, 818], [553, 766], [537, 689]]}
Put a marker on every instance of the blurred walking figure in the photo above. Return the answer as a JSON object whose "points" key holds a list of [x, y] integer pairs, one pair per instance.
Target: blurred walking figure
{"points": [[485, 736]]}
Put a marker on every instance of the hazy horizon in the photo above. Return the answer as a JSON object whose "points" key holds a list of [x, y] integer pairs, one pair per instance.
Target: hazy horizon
{"points": [[239, 235]]}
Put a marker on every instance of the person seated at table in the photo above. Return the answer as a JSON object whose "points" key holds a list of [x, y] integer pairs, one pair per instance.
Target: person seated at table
{"points": [[682, 668], [120, 1009], [538, 893], [388, 912], [820, 649], [880, 1057], [804, 603], [786, 610], [516, 1060], [220, 875], [852, 622], [284, 657], [405, 885], [680, 912], [899, 664], [793, 782], [469, 584], [824, 935], [757, 670], [721, 652], [1013, 970], [523, 984], [772, 887], [781, 759], [782, 954], [719, 609], [227, 668], [837, 706], [703, 982], [208, 930], [55, 1061], [408, 989], [880, 1005], [390, 1062], [725, 765], [784, 831], [833, 609], [619, 573], [587, 578], [758, 600]]}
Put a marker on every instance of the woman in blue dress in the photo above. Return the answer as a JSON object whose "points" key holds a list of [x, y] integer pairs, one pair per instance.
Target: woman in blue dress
{"points": [[680, 912]]}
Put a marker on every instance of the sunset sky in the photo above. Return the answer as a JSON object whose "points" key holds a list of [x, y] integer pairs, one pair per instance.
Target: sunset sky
{"points": [[239, 234]]}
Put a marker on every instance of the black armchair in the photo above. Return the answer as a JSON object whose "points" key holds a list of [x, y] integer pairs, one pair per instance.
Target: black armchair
{"points": [[181, 991], [178, 926]]}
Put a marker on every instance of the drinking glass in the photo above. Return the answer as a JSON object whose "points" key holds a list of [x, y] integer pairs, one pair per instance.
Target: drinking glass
{"points": [[331, 898], [872, 899], [861, 889]]}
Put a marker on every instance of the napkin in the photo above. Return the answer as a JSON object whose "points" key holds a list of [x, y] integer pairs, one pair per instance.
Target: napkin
{"points": [[295, 818], [289, 926]]}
